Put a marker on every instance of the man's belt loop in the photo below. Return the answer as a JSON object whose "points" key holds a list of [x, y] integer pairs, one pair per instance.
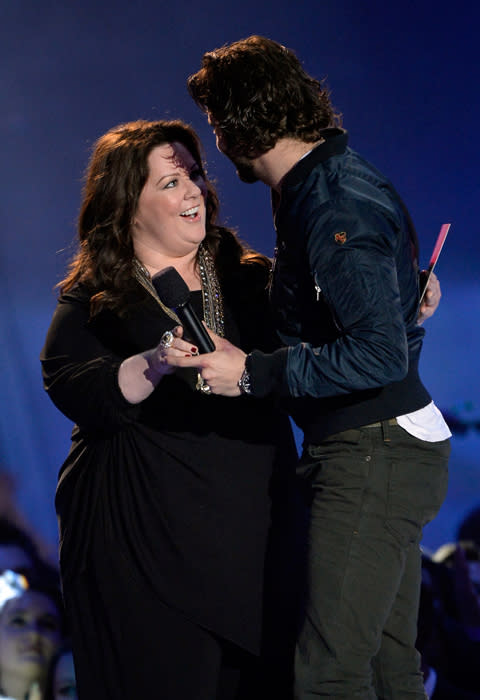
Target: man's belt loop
{"points": [[385, 426], [386, 430]]}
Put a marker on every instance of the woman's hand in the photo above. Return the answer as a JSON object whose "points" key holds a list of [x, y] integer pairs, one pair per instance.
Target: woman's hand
{"points": [[138, 375], [171, 345], [220, 369]]}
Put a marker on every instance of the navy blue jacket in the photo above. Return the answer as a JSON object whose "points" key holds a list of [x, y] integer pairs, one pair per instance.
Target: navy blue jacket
{"points": [[344, 294]]}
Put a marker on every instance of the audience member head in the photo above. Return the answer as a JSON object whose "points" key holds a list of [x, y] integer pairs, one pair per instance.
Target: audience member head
{"points": [[31, 632]]}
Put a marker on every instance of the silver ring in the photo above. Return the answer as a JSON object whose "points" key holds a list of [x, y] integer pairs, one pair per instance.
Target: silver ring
{"points": [[206, 388], [166, 340]]}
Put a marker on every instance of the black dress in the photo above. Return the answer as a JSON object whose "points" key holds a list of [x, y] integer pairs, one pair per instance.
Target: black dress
{"points": [[164, 503]]}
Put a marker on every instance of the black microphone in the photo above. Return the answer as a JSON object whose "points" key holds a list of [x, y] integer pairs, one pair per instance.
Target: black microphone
{"points": [[174, 293]]}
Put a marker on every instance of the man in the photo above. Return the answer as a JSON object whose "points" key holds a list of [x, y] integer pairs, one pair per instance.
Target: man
{"points": [[344, 291]]}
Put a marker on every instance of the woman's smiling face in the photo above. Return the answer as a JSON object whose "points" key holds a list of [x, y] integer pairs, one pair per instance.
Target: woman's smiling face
{"points": [[170, 217]]}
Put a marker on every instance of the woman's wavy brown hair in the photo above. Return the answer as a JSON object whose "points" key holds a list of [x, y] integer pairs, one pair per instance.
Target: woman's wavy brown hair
{"points": [[116, 174], [256, 92]]}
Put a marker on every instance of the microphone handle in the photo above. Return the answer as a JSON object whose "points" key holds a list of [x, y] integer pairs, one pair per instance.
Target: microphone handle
{"points": [[195, 329]]}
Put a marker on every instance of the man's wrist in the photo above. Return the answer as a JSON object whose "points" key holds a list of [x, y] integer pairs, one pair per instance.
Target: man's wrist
{"points": [[245, 382]]}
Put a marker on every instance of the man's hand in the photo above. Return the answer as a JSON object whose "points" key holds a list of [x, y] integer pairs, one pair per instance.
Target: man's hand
{"points": [[220, 369], [431, 299]]}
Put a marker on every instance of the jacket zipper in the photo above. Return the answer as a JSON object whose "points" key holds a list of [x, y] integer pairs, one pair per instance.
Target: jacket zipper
{"points": [[318, 291]]}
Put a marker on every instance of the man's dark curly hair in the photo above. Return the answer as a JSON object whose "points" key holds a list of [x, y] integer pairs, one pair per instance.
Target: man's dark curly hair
{"points": [[256, 92]]}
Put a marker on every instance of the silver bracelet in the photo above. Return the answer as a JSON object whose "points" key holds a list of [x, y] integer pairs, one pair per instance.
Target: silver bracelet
{"points": [[244, 383]]}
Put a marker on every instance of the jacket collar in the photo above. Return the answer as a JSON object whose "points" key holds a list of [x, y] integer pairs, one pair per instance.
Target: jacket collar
{"points": [[335, 143]]}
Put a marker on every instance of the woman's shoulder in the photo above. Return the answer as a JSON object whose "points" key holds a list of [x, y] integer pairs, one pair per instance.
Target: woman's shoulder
{"points": [[79, 293]]}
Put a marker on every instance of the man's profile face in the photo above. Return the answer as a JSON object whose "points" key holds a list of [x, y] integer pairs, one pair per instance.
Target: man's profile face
{"points": [[244, 165], [245, 168]]}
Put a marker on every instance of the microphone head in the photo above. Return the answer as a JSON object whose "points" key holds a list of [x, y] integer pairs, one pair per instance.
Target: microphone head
{"points": [[171, 288]]}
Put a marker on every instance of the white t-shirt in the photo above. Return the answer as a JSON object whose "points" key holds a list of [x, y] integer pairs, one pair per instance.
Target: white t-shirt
{"points": [[425, 424]]}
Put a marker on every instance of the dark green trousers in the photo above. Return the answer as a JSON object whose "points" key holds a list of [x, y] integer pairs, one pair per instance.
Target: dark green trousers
{"points": [[372, 490]]}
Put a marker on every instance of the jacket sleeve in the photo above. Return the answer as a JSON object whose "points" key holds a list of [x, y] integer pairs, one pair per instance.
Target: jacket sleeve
{"points": [[80, 373], [357, 275]]}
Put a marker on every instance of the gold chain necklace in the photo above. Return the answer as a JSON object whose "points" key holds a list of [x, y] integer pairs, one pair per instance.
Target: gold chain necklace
{"points": [[143, 276]]}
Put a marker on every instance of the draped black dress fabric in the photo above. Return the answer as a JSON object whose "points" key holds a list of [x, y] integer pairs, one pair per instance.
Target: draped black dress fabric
{"points": [[164, 503]]}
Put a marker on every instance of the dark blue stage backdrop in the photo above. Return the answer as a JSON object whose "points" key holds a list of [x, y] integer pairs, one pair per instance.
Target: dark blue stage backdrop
{"points": [[405, 75]]}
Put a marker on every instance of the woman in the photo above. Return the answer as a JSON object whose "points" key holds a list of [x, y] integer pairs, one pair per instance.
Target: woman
{"points": [[31, 628], [163, 500]]}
